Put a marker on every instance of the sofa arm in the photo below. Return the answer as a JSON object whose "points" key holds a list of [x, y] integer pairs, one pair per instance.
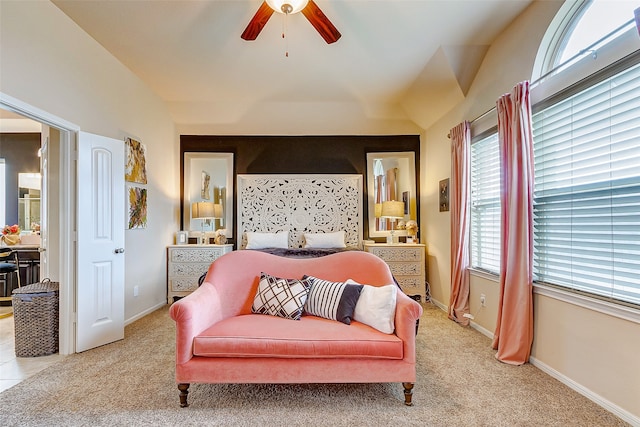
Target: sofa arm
{"points": [[408, 312], [193, 314]]}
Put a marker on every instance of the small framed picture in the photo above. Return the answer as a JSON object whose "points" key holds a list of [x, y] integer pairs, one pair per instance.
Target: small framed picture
{"points": [[182, 238], [406, 201], [444, 195]]}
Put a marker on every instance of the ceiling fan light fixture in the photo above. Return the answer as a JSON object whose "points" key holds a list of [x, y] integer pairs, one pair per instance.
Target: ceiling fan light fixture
{"points": [[287, 7]]}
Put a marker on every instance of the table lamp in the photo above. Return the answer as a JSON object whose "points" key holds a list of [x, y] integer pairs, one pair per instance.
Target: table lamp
{"points": [[392, 210], [206, 211]]}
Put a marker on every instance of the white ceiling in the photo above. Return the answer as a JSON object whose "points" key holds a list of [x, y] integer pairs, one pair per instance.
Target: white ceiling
{"points": [[392, 52]]}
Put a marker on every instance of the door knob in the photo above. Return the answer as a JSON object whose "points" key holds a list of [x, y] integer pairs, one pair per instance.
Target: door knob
{"points": [[119, 251]]}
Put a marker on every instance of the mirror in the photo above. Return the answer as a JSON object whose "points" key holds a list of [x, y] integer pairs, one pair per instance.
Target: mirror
{"points": [[208, 177], [29, 201], [390, 177]]}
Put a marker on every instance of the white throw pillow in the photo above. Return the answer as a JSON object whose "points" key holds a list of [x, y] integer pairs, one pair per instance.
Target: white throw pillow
{"points": [[257, 240], [324, 240], [376, 307]]}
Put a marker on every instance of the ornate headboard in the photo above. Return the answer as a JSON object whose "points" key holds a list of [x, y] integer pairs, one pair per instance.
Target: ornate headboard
{"points": [[300, 204]]}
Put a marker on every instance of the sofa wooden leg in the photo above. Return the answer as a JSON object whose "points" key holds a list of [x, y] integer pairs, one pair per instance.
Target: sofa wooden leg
{"points": [[408, 393], [184, 392]]}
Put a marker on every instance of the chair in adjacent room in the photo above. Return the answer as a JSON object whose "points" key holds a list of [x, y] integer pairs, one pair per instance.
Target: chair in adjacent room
{"points": [[8, 265]]}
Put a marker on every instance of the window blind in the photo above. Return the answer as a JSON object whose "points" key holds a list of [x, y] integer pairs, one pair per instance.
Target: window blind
{"points": [[587, 189], [485, 204]]}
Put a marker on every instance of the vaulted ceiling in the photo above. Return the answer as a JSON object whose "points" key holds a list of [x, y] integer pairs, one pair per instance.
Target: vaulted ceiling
{"points": [[393, 54]]}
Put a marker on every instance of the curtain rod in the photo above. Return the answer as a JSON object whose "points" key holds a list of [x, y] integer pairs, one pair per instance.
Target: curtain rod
{"points": [[588, 49]]}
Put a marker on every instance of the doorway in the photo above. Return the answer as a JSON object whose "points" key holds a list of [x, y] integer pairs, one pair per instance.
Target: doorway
{"points": [[58, 217]]}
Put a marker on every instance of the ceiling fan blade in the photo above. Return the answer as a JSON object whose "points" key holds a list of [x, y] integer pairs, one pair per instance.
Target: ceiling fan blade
{"points": [[321, 23], [258, 22]]}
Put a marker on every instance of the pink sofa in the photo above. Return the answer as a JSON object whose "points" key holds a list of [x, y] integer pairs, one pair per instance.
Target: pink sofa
{"points": [[219, 340]]}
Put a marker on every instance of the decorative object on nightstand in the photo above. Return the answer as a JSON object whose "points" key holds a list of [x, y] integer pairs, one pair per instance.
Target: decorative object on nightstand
{"points": [[407, 263], [182, 238], [186, 263], [392, 210], [220, 237], [206, 211], [412, 231]]}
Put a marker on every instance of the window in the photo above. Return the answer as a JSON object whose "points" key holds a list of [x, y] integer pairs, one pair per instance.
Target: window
{"points": [[485, 203], [587, 185], [586, 158]]}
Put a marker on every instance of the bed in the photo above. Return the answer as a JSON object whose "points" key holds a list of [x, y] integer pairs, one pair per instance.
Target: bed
{"points": [[300, 215]]}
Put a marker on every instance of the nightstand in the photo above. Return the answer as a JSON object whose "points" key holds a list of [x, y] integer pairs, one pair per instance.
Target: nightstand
{"points": [[186, 263], [407, 263]]}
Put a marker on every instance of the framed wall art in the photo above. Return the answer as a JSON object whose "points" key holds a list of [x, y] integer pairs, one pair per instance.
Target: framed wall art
{"points": [[443, 192], [136, 168], [137, 198]]}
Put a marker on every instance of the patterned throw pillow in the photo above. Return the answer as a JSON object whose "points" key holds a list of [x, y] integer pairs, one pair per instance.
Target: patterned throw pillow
{"points": [[280, 297], [332, 300]]}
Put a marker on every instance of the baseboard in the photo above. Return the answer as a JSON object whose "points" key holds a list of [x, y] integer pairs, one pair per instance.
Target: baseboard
{"points": [[487, 333], [594, 397], [474, 325], [440, 305], [144, 313]]}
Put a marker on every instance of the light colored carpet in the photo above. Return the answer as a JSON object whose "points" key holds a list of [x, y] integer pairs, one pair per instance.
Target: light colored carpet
{"points": [[460, 383]]}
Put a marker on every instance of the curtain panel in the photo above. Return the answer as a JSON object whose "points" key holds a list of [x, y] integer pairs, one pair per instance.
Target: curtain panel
{"points": [[460, 221], [513, 336]]}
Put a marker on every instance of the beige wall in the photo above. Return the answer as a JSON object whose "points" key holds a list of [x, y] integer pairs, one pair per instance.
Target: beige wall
{"points": [[51, 64], [592, 351]]}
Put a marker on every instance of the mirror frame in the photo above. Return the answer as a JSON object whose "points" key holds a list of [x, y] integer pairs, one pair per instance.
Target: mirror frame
{"points": [[187, 186], [410, 156]]}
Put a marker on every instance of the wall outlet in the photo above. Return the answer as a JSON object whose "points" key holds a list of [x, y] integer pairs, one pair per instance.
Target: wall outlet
{"points": [[135, 291], [483, 299]]}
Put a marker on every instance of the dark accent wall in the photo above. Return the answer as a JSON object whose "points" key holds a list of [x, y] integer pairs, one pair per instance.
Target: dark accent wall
{"points": [[335, 154], [19, 151]]}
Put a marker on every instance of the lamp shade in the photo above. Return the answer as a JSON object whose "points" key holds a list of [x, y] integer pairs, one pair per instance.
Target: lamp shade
{"points": [[217, 210], [392, 209], [290, 6], [203, 210], [378, 210]]}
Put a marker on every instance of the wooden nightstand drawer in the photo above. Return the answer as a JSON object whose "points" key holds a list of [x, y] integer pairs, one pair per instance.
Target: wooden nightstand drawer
{"points": [[407, 264], [185, 265]]}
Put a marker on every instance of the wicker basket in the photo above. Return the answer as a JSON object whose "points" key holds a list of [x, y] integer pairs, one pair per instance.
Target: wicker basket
{"points": [[36, 317]]}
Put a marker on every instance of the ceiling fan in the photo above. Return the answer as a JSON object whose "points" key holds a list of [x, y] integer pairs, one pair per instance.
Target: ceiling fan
{"points": [[308, 8]]}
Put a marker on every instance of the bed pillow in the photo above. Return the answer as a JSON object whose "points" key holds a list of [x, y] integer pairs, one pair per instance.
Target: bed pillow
{"points": [[332, 300], [324, 240], [376, 307], [280, 297], [257, 240]]}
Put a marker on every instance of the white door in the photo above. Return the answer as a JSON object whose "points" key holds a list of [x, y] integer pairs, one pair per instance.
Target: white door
{"points": [[100, 241], [44, 202]]}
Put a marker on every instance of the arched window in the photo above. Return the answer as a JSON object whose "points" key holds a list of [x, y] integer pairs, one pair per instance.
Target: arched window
{"points": [[585, 36], [599, 22]]}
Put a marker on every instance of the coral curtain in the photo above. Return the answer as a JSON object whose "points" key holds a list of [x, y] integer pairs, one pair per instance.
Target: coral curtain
{"points": [[459, 204], [391, 180], [380, 182], [514, 329]]}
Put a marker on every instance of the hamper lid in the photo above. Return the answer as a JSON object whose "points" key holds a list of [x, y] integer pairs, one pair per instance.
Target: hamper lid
{"points": [[45, 285]]}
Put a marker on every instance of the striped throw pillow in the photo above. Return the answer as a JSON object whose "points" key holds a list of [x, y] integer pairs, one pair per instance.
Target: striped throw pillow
{"points": [[332, 300]]}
